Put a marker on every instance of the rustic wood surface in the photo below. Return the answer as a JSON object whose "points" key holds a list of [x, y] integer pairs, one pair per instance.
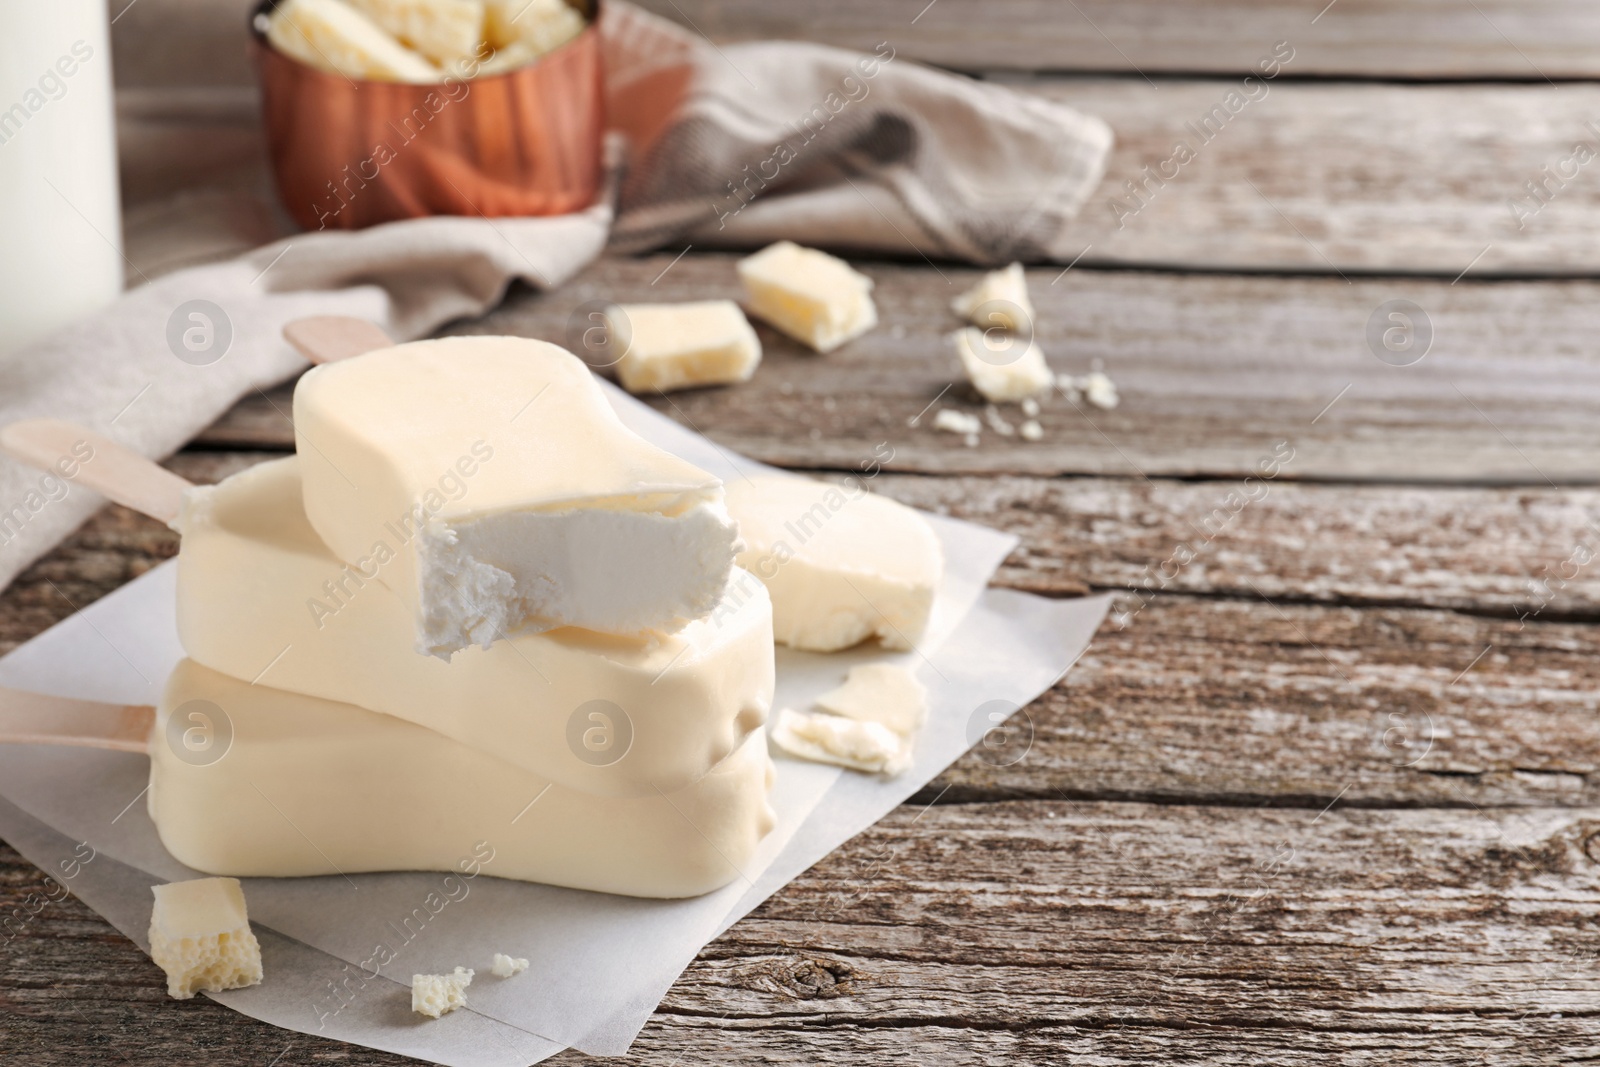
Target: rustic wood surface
{"points": [[1326, 787], [1337, 179], [1526, 40], [1219, 369]]}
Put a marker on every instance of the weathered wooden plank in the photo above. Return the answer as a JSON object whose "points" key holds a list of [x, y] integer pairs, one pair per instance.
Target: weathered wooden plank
{"points": [[1216, 373], [1258, 702], [1510, 553], [1409, 39], [1350, 178], [1213, 689], [1517, 553], [1030, 931], [1320, 178], [1405, 39]]}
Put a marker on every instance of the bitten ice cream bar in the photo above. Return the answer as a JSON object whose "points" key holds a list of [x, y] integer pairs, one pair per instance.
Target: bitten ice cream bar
{"points": [[519, 500], [677, 702]]}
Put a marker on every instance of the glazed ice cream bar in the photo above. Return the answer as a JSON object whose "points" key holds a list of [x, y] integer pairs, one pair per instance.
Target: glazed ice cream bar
{"points": [[490, 485], [841, 564], [260, 598], [249, 781]]}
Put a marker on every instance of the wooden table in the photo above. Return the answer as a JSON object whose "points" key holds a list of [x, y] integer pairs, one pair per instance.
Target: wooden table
{"points": [[1325, 790]]}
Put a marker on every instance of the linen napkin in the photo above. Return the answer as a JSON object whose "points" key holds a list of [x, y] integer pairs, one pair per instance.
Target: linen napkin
{"points": [[733, 146]]}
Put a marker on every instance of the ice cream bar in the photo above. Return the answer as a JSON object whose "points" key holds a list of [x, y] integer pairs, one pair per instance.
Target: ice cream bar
{"points": [[276, 784], [841, 564], [261, 598], [491, 485]]}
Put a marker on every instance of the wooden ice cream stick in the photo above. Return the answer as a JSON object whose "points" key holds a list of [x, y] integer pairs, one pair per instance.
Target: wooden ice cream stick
{"points": [[139, 483], [329, 338], [97, 463], [37, 719]]}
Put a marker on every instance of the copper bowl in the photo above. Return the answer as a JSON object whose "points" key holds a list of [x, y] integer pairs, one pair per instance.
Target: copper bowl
{"points": [[348, 153]]}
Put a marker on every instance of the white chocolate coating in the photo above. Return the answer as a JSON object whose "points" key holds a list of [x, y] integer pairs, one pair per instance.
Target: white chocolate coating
{"points": [[509, 494], [261, 598], [817, 299], [308, 787], [841, 565], [676, 346], [883, 693]]}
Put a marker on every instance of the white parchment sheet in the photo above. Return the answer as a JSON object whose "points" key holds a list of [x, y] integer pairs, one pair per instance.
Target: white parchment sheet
{"points": [[600, 964]]}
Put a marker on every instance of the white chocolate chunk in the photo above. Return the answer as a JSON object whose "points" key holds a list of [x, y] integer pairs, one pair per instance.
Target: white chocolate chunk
{"points": [[434, 995], [316, 626], [531, 28], [1032, 431], [951, 421], [883, 693], [302, 787], [858, 746], [813, 297], [842, 564], [1099, 390], [999, 299], [489, 482], [997, 422], [675, 346], [445, 31], [200, 935], [1004, 367], [1030, 408], [507, 966], [333, 36]]}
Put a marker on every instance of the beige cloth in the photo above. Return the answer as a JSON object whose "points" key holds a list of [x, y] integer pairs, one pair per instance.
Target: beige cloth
{"points": [[741, 145], [733, 146]]}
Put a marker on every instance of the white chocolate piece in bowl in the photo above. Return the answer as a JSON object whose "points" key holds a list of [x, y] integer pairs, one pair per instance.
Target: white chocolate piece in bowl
{"points": [[445, 31], [332, 36]]}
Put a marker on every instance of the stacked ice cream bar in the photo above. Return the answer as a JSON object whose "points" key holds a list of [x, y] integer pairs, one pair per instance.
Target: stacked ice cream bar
{"points": [[473, 608], [474, 615]]}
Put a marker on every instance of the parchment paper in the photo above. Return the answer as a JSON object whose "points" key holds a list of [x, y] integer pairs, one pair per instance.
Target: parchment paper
{"points": [[600, 964]]}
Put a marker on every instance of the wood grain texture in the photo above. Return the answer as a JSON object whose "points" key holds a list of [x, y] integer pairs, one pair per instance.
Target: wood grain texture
{"points": [[1310, 177], [1341, 177], [1406, 39], [1208, 690], [1367, 545], [1306, 543], [1216, 373], [1532, 39], [1039, 932]]}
